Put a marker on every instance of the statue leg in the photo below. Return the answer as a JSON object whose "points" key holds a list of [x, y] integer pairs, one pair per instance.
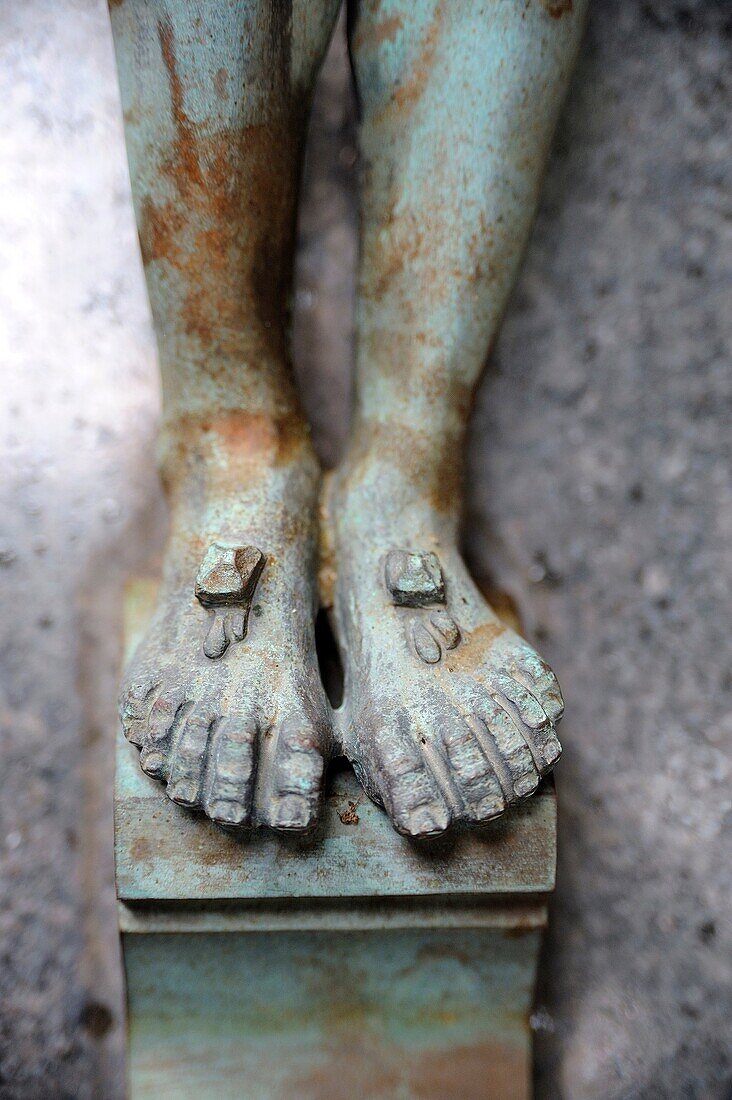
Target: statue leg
{"points": [[223, 695], [449, 716]]}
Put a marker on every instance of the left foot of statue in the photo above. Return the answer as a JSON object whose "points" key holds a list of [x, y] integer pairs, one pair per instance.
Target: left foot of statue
{"points": [[449, 716]]}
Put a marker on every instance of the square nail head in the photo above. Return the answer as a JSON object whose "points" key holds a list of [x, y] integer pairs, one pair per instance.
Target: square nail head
{"points": [[228, 575], [414, 579]]}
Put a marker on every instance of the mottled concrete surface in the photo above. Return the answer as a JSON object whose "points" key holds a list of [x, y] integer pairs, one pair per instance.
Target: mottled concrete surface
{"points": [[600, 498]]}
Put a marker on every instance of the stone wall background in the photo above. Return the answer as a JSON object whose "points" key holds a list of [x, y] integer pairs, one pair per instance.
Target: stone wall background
{"points": [[600, 498]]}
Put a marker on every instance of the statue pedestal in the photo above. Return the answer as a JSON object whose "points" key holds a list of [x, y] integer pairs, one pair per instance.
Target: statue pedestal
{"points": [[356, 964]]}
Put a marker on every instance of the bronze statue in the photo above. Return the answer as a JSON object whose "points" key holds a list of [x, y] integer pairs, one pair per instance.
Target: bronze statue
{"points": [[449, 716]]}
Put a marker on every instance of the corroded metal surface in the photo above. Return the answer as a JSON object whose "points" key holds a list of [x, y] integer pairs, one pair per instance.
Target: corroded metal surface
{"points": [[275, 969], [449, 718], [597, 497], [164, 852], [225, 585], [384, 1015]]}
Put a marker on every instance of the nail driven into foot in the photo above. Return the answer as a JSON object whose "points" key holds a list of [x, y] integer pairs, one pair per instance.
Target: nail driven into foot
{"points": [[225, 585], [414, 579]]}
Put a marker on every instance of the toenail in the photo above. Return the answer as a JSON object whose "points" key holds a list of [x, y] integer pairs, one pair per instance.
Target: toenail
{"points": [[526, 786], [227, 813], [553, 752], [292, 812], [152, 763], [488, 809], [426, 822], [183, 793]]}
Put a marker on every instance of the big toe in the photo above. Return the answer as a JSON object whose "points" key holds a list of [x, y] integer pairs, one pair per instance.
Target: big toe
{"points": [[232, 764], [189, 755], [298, 767], [409, 790]]}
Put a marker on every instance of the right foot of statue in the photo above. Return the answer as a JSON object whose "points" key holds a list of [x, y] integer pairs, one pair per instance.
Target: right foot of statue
{"points": [[223, 694]]}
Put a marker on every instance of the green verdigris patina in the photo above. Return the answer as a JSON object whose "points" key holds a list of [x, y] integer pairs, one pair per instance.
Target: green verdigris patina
{"points": [[351, 962], [448, 715]]}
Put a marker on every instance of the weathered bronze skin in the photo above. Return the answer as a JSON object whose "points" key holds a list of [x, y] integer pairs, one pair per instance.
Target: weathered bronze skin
{"points": [[449, 716]]}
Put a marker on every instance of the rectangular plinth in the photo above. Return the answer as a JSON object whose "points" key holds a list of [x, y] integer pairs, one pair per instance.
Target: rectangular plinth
{"points": [[165, 853], [352, 963], [320, 1015]]}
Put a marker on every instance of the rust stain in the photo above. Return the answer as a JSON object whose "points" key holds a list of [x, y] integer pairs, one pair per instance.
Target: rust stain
{"points": [[503, 604], [520, 930], [158, 228], [185, 132], [228, 229], [557, 8], [471, 1071], [132, 116], [231, 449], [375, 34], [410, 259], [409, 93], [140, 849], [435, 472], [467, 657], [221, 82], [349, 816]]}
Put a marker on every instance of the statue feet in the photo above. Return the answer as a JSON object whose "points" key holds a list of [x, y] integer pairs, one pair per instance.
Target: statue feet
{"points": [[449, 716], [223, 695]]}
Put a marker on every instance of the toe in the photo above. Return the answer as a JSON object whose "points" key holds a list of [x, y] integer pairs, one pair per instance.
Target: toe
{"points": [[409, 790], [232, 765], [134, 710], [511, 747], [166, 714], [169, 708], [536, 676], [188, 758], [298, 769], [534, 722], [473, 774]]}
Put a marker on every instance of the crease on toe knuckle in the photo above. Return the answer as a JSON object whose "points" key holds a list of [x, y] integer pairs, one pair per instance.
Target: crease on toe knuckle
{"points": [[301, 772], [413, 790], [467, 759], [529, 711], [482, 791]]}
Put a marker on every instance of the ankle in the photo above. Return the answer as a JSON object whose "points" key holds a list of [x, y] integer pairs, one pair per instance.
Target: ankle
{"points": [[404, 466], [232, 449]]}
